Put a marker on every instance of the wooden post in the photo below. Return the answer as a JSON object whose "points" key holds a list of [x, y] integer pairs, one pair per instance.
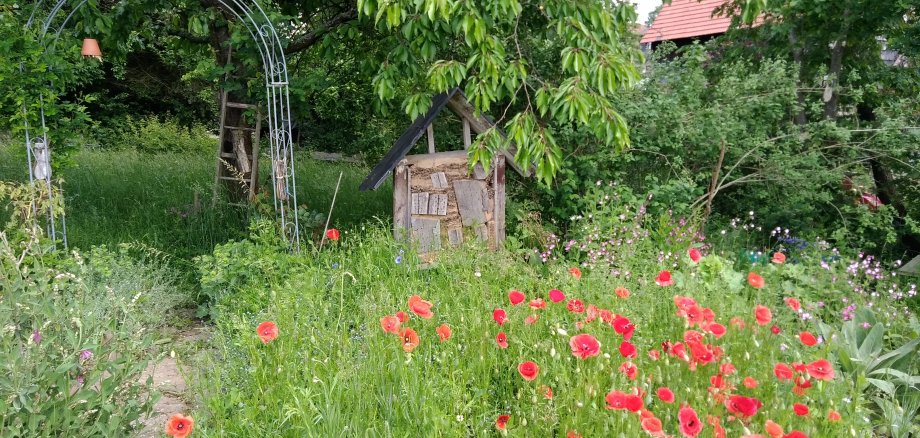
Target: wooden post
{"points": [[254, 176], [499, 189], [467, 137], [431, 138], [402, 219]]}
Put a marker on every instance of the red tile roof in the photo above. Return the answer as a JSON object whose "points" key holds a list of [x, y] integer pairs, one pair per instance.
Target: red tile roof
{"points": [[687, 19]]}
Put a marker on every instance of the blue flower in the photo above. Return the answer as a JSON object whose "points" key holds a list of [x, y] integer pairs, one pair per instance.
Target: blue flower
{"points": [[398, 259]]}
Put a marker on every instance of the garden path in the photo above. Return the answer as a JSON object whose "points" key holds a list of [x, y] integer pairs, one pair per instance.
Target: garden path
{"points": [[169, 377]]}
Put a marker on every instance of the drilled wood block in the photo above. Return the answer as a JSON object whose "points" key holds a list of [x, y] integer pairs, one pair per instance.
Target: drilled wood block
{"points": [[442, 205], [455, 236], [422, 203], [439, 180]]}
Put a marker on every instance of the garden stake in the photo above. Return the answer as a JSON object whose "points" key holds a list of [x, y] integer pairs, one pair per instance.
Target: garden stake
{"points": [[331, 206]]}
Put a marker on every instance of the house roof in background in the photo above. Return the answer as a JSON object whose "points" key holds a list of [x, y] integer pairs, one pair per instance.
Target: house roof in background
{"points": [[687, 19]]}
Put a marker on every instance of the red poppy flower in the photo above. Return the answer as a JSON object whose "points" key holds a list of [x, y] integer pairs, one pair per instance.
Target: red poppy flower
{"points": [[584, 346], [629, 369], [575, 272], [750, 382], [572, 434], [333, 234], [821, 370], [775, 329], [800, 409], [717, 330], [409, 339], [627, 349], [737, 322], [778, 258], [556, 295], [756, 281], [529, 370], [727, 369], [443, 331], [795, 434], [773, 429], [267, 331], [390, 324], [420, 307], [633, 403], [652, 425], [690, 425], [743, 406], [516, 297], [665, 394], [502, 421], [537, 303], [616, 400], [782, 371], [793, 304], [531, 320], [833, 416], [499, 316], [664, 279], [547, 392], [622, 292], [695, 255], [801, 384], [762, 314], [808, 339], [575, 306], [179, 426], [501, 340], [403, 317]]}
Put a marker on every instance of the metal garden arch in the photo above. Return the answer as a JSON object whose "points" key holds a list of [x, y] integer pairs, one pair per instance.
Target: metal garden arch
{"points": [[274, 63]]}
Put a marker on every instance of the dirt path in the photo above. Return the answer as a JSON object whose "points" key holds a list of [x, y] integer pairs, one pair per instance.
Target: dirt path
{"points": [[169, 376]]}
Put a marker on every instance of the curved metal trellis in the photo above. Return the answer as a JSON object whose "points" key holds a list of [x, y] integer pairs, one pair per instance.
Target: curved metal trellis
{"points": [[274, 64]]}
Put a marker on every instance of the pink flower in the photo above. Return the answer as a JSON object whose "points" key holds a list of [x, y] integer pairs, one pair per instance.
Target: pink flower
{"points": [[556, 295], [584, 346], [694, 254]]}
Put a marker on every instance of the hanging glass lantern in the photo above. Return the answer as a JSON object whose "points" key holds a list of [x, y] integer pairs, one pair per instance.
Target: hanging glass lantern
{"points": [[91, 49]]}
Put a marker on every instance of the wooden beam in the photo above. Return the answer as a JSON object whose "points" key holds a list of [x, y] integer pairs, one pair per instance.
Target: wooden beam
{"points": [[463, 109], [467, 137], [431, 138], [401, 215], [499, 189]]}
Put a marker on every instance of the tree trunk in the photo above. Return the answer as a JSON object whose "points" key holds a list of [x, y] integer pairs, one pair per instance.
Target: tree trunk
{"points": [[832, 98], [797, 56], [714, 183]]}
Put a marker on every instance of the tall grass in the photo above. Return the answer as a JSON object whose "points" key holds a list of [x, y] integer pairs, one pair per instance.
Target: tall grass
{"points": [[125, 196]]}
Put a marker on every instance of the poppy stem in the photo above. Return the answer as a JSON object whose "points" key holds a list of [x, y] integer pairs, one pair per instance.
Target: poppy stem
{"points": [[331, 206]]}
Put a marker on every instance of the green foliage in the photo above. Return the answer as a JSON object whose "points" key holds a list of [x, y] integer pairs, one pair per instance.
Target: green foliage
{"points": [[153, 135], [75, 337], [546, 66]]}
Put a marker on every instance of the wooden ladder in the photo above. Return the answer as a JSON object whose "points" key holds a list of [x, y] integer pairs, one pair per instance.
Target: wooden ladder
{"points": [[238, 149]]}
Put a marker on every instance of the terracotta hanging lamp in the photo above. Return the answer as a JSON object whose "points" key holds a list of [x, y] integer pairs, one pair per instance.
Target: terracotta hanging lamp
{"points": [[91, 49]]}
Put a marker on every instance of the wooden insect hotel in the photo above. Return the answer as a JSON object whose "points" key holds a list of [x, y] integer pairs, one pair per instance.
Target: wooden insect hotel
{"points": [[437, 200]]}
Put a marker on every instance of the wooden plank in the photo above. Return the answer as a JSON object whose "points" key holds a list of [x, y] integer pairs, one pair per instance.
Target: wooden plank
{"points": [[414, 200], [455, 236], [472, 199], [401, 201], [430, 130], [467, 137], [254, 176], [239, 148], [427, 234], [498, 185], [439, 180], [442, 205], [438, 159], [911, 268], [422, 203], [433, 204]]}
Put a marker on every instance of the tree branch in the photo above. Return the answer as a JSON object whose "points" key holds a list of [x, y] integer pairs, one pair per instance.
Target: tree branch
{"points": [[313, 37], [188, 36]]}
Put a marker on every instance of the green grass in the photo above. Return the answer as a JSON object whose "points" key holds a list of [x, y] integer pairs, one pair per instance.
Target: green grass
{"points": [[123, 196]]}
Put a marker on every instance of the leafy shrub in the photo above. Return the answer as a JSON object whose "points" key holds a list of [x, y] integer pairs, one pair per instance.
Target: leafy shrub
{"points": [[75, 337], [154, 135]]}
